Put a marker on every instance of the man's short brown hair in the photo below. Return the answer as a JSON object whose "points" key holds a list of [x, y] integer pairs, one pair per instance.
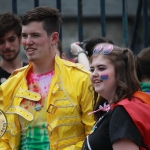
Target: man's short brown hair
{"points": [[9, 22], [50, 17]]}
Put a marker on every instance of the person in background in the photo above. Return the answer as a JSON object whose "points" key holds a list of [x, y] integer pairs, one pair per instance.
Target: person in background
{"points": [[90, 45], [123, 122], [59, 50], [82, 58], [44, 102], [10, 36], [83, 54], [142, 61]]}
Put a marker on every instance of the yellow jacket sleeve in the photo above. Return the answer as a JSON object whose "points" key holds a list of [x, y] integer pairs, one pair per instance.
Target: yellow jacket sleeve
{"points": [[86, 107], [4, 143], [1, 99]]}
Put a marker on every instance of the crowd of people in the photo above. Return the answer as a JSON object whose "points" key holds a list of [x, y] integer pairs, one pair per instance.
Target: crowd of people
{"points": [[100, 102]]}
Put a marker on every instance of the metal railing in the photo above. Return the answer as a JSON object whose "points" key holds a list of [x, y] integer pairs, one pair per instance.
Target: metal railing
{"points": [[142, 4]]}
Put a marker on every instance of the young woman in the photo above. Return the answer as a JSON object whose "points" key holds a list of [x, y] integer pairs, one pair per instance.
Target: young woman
{"points": [[122, 112]]}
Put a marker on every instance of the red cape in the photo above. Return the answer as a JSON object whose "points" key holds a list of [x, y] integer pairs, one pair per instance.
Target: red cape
{"points": [[139, 110]]}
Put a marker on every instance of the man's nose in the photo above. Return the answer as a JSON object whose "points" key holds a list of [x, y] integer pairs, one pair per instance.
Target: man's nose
{"points": [[29, 41], [7, 45]]}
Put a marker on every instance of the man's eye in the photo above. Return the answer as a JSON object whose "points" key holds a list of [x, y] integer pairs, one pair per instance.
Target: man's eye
{"points": [[1, 42], [11, 40], [35, 35], [24, 36]]}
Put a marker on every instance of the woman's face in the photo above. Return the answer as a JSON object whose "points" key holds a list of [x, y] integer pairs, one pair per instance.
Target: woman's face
{"points": [[103, 77]]}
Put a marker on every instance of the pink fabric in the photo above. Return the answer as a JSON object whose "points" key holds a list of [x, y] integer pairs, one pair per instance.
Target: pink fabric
{"points": [[102, 108]]}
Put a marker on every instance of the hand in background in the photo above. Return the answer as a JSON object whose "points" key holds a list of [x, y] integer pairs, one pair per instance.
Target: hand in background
{"points": [[75, 48]]}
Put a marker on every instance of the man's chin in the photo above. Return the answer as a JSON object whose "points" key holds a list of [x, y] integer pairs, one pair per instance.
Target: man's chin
{"points": [[9, 59], [31, 59]]}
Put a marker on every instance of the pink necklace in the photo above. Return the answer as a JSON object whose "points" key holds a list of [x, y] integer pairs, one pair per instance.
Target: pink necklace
{"points": [[105, 107]]}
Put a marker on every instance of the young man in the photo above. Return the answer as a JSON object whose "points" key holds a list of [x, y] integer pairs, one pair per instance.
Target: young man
{"points": [[46, 103], [10, 36]]}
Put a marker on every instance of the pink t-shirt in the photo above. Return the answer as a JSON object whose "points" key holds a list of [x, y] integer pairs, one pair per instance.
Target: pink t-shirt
{"points": [[35, 131]]}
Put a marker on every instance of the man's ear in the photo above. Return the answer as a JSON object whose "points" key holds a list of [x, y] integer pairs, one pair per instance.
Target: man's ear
{"points": [[55, 37]]}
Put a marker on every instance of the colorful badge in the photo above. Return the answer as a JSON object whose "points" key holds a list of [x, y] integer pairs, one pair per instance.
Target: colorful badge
{"points": [[3, 123], [3, 80]]}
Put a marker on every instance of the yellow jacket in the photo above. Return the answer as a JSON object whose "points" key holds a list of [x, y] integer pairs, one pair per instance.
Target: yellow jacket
{"points": [[68, 105]]}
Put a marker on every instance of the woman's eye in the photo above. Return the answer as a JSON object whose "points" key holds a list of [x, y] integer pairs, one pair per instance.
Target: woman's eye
{"points": [[91, 70], [101, 68]]}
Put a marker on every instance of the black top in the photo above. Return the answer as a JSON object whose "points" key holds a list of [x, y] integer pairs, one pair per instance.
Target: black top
{"points": [[4, 74], [113, 125]]}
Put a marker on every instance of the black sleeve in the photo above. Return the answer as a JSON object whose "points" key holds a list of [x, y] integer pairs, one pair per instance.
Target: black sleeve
{"points": [[122, 126]]}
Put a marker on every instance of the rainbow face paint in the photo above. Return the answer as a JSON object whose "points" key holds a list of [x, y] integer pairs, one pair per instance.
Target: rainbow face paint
{"points": [[104, 77]]}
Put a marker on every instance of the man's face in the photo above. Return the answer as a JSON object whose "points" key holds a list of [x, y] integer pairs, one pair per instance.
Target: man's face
{"points": [[37, 44], [9, 46]]}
